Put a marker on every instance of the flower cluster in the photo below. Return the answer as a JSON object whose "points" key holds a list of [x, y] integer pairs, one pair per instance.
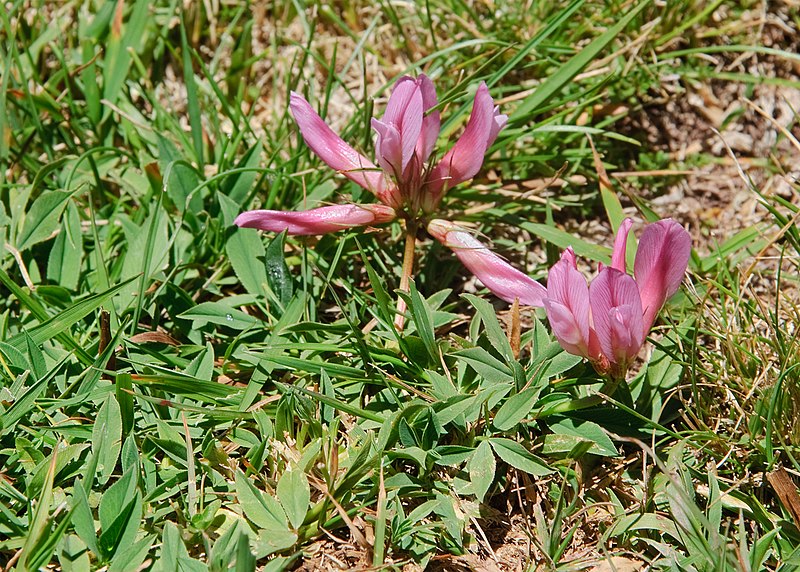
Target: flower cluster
{"points": [[608, 320], [404, 182], [605, 322]]}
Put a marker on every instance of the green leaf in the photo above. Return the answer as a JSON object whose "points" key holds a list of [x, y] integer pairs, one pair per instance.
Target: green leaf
{"points": [[14, 357], [107, 438], [67, 454], [237, 186], [613, 207], [192, 101], [244, 249], [121, 39], [35, 357], [452, 455], [61, 322], [423, 320], [516, 408], [450, 409], [294, 494], [82, 520], [588, 431], [647, 521], [64, 262], [553, 84], [181, 179], [202, 366], [278, 276], [271, 541], [261, 508], [488, 366], [233, 545], [41, 514], [516, 455], [551, 26], [42, 219], [494, 331], [342, 406], [73, 555], [558, 364], [131, 557], [24, 403], [174, 556], [481, 469], [218, 313], [122, 530], [123, 385], [381, 295], [564, 239], [116, 498]]}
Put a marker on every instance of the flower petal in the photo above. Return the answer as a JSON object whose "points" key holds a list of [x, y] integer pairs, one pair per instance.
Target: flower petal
{"points": [[404, 112], [402, 92], [565, 328], [620, 243], [660, 265], [411, 127], [567, 305], [388, 147], [316, 221], [617, 315], [431, 123], [333, 150], [464, 160], [498, 122], [505, 281]]}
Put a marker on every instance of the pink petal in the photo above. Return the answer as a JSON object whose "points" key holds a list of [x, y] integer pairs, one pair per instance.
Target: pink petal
{"points": [[567, 305], [625, 324], [402, 92], [565, 328], [505, 281], [404, 112], [464, 160], [620, 243], [411, 127], [333, 150], [660, 264], [617, 315], [498, 122], [388, 147], [431, 123], [316, 221]]}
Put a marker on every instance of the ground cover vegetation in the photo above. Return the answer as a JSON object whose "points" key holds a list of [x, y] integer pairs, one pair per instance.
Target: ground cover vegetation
{"points": [[179, 393]]}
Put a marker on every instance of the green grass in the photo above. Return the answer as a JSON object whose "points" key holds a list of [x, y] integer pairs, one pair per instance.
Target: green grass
{"points": [[177, 393]]}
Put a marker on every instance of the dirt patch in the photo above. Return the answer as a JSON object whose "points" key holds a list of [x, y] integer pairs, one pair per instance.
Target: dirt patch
{"points": [[730, 132]]}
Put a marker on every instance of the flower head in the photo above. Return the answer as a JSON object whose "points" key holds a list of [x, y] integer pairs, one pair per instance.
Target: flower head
{"points": [[404, 141], [607, 321], [405, 181]]}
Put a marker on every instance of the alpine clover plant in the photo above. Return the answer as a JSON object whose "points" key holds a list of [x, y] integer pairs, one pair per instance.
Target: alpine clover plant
{"points": [[407, 184]]}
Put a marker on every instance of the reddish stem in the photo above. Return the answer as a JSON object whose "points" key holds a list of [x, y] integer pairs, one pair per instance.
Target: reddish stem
{"points": [[408, 270]]}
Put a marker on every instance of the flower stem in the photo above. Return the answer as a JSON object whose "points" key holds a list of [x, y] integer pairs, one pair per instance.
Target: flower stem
{"points": [[408, 269]]}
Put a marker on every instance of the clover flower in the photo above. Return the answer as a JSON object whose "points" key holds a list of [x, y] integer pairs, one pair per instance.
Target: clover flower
{"points": [[608, 320], [404, 181]]}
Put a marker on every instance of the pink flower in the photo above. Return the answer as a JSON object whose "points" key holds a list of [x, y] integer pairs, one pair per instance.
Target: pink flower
{"points": [[608, 321], [405, 182], [404, 140], [316, 221], [505, 281]]}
